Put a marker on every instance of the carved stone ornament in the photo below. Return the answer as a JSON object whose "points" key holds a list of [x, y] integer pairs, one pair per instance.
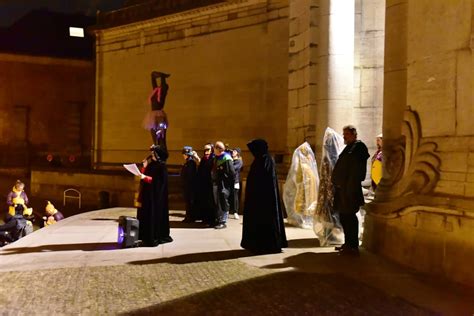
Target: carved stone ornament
{"points": [[411, 166]]}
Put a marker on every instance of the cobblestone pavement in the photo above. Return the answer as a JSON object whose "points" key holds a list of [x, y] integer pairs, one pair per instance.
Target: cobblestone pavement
{"points": [[226, 287], [75, 268]]}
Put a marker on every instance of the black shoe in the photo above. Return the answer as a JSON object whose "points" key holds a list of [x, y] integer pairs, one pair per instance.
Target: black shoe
{"points": [[220, 226], [347, 251], [340, 248], [165, 240]]}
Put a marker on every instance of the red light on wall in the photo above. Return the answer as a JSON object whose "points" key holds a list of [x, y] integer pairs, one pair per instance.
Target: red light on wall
{"points": [[72, 158], [49, 157]]}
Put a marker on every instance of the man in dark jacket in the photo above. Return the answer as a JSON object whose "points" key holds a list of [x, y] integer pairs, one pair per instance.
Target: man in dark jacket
{"points": [[223, 175], [349, 172]]}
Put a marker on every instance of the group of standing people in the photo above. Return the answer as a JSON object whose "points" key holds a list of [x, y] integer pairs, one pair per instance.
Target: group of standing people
{"points": [[211, 192], [211, 184]]}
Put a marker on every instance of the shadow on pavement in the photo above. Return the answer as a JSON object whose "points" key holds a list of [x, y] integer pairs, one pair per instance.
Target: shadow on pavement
{"points": [[180, 224], [65, 247], [288, 293], [303, 243], [199, 257]]}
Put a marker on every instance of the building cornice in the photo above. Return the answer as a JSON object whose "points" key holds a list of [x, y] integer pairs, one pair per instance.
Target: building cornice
{"points": [[43, 60], [177, 18]]}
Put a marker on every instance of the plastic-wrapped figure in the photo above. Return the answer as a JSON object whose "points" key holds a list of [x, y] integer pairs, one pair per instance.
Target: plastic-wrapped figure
{"points": [[52, 215], [156, 120], [300, 192], [17, 196], [326, 224]]}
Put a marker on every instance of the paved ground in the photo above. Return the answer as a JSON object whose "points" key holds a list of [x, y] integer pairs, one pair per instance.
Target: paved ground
{"points": [[74, 268]]}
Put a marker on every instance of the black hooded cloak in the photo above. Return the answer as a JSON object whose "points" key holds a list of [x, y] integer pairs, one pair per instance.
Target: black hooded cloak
{"points": [[188, 182], [204, 207], [153, 215], [263, 227]]}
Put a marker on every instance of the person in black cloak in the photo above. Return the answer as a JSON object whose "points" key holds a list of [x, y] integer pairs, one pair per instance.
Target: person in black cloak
{"points": [[263, 228], [156, 120], [349, 171], [188, 181], [153, 212], [204, 203]]}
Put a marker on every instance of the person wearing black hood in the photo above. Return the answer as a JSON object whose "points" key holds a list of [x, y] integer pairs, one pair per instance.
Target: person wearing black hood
{"points": [[204, 207], [188, 182], [263, 228], [153, 212], [349, 171]]}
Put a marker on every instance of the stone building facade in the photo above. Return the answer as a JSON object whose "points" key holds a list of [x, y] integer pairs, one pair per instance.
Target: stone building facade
{"points": [[285, 70], [46, 91], [423, 212]]}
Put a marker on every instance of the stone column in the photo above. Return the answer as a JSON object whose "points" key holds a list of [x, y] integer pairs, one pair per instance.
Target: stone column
{"points": [[395, 84], [302, 69], [336, 65]]}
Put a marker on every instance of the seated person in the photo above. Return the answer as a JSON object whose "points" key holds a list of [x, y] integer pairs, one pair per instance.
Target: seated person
{"points": [[52, 215], [17, 196], [15, 226]]}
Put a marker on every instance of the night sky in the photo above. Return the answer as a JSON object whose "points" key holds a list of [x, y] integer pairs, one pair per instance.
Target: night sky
{"points": [[12, 10]]}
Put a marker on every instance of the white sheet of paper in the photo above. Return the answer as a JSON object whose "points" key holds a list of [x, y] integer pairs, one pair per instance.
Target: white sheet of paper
{"points": [[132, 168]]}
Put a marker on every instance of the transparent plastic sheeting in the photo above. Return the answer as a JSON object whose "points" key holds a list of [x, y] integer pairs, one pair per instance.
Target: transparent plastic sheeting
{"points": [[326, 223], [300, 192]]}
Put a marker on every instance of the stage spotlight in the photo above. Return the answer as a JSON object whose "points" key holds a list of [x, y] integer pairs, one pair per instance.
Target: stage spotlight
{"points": [[127, 232]]}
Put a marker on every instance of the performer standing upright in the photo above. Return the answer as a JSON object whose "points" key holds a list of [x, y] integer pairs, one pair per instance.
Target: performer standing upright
{"points": [[204, 204], [156, 120], [349, 172], [153, 212], [263, 228]]}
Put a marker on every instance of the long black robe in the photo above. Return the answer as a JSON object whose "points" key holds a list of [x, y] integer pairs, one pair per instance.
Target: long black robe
{"points": [[153, 215], [188, 182], [204, 207], [263, 227]]}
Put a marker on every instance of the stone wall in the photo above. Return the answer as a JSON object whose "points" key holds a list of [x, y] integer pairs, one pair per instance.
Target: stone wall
{"points": [[423, 214], [335, 69], [368, 68], [229, 79], [302, 72], [46, 105]]}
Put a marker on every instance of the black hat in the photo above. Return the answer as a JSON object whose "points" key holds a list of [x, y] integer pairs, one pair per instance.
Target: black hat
{"points": [[238, 150]]}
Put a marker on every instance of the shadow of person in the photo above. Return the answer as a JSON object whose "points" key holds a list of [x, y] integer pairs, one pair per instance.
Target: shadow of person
{"points": [[199, 257], [287, 293], [303, 243], [180, 224], [60, 247], [105, 219]]}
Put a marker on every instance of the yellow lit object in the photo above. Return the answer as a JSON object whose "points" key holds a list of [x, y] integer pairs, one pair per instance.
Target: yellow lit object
{"points": [[376, 173]]}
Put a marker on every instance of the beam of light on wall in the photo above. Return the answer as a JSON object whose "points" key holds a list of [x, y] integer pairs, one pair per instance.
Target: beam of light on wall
{"points": [[76, 32]]}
